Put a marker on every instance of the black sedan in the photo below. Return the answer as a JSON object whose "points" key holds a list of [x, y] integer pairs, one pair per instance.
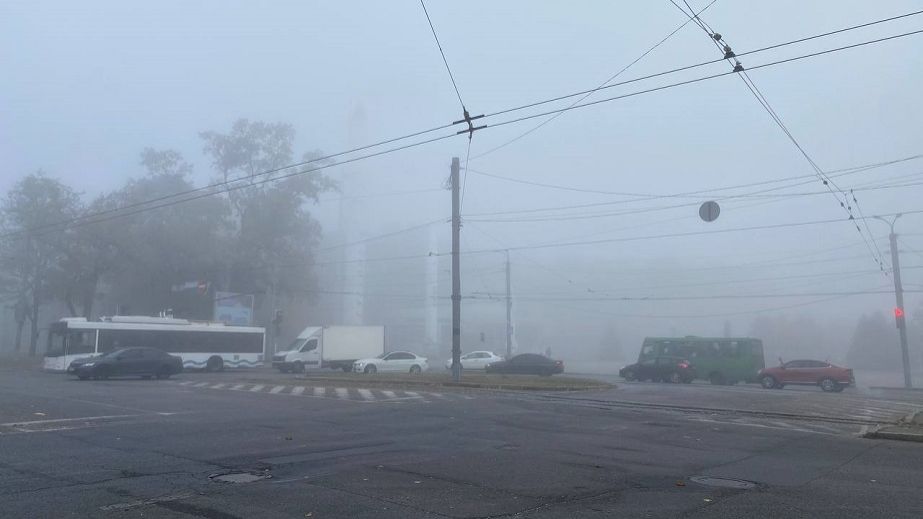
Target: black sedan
{"points": [[666, 369], [527, 364], [143, 362]]}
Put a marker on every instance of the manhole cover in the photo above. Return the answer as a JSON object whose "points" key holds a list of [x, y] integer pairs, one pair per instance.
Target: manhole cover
{"points": [[713, 481], [240, 477]]}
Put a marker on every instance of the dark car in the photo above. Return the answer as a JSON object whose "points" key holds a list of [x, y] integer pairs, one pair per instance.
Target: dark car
{"points": [[807, 373], [667, 369], [527, 364], [143, 362]]}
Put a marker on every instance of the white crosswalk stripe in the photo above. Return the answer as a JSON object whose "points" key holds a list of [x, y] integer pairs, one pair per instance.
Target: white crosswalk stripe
{"points": [[341, 393]]}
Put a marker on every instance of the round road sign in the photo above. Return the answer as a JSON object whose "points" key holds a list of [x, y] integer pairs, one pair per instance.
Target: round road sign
{"points": [[709, 211]]}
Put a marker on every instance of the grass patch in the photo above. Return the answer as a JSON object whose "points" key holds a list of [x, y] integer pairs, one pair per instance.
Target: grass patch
{"points": [[468, 380]]}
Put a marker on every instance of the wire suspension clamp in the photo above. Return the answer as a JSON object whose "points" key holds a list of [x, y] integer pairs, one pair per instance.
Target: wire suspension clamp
{"points": [[471, 127]]}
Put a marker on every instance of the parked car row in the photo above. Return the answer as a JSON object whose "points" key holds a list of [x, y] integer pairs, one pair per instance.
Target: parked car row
{"points": [[827, 376]]}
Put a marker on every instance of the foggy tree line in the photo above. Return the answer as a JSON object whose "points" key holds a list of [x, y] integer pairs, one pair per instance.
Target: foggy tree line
{"points": [[53, 250]]}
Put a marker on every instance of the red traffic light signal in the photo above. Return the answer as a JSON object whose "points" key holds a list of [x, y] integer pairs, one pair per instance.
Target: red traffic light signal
{"points": [[898, 312]]}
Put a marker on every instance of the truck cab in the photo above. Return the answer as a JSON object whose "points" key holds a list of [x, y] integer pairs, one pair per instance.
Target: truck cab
{"points": [[302, 353]]}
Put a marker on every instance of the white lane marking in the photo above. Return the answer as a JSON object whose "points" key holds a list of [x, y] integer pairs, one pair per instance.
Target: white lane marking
{"points": [[388, 394], [64, 420], [276, 389], [237, 387], [258, 387], [437, 395], [297, 390], [342, 392], [201, 384], [366, 394], [412, 394], [185, 383], [144, 502], [218, 386], [320, 391]]}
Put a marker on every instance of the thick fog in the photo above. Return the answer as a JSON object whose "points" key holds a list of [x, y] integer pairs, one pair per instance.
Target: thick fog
{"points": [[605, 245]]}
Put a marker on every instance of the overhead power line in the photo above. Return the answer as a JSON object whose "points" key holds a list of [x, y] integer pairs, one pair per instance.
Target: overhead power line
{"points": [[592, 91], [523, 297], [842, 198], [216, 188], [441, 52]]}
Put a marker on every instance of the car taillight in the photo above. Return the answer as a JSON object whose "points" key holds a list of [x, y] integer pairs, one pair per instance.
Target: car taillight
{"points": [[683, 365]]}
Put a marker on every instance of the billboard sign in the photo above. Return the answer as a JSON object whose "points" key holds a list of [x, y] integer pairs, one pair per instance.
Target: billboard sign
{"points": [[236, 309]]}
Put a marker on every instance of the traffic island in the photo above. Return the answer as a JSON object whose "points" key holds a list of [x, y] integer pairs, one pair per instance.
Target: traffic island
{"points": [[909, 428], [468, 381]]}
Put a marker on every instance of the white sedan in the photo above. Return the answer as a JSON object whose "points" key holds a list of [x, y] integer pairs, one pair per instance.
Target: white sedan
{"points": [[476, 360], [396, 361]]}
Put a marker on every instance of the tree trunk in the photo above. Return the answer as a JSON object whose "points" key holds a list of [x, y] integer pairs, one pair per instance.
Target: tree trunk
{"points": [[19, 325], [33, 337]]}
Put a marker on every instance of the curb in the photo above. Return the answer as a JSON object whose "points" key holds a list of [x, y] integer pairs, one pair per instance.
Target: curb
{"points": [[463, 385], [908, 429]]}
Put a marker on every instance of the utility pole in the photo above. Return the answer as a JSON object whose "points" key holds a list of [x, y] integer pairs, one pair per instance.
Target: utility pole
{"points": [[509, 310], [456, 273], [899, 298]]}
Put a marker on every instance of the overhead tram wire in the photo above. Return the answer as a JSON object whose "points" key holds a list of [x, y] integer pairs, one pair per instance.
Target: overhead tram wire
{"points": [[591, 92], [442, 53], [690, 81], [522, 215], [645, 196], [466, 116], [250, 178], [833, 188], [239, 184]]}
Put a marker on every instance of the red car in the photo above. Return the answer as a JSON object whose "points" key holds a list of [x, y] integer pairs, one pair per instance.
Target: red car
{"points": [[807, 373]]}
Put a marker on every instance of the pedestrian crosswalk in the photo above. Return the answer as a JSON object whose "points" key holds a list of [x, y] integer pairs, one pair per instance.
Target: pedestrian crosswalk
{"points": [[361, 395]]}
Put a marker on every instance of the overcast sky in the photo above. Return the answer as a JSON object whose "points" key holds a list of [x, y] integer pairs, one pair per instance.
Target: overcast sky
{"points": [[89, 84]]}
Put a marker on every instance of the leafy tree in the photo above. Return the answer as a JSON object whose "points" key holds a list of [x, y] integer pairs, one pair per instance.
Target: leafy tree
{"points": [[875, 344], [31, 250], [272, 232], [151, 251]]}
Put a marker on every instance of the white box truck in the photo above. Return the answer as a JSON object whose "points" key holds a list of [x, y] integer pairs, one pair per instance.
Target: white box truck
{"points": [[334, 347]]}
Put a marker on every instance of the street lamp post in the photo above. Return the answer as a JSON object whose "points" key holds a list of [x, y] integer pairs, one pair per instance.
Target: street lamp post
{"points": [[899, 298]]}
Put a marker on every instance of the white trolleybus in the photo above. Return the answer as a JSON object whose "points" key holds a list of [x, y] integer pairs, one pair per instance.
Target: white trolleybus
{"points": [[202, 345]]}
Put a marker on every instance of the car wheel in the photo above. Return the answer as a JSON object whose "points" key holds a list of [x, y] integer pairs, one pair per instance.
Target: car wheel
{"points": [[347, 369], [102, 373], [629, 376], [298, 367], [839, 388], [415, 369], [829, 385], [716, 379], [768, 382], [371, 369], [82, 377], [163, 372], [675, 378], [214, 363]]}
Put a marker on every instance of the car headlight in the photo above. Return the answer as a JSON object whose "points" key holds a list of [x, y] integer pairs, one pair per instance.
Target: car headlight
{"points": [[88, 364]]}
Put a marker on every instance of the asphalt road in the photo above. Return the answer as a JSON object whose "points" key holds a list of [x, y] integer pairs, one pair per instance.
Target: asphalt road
{"points": [[134, 448]]}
